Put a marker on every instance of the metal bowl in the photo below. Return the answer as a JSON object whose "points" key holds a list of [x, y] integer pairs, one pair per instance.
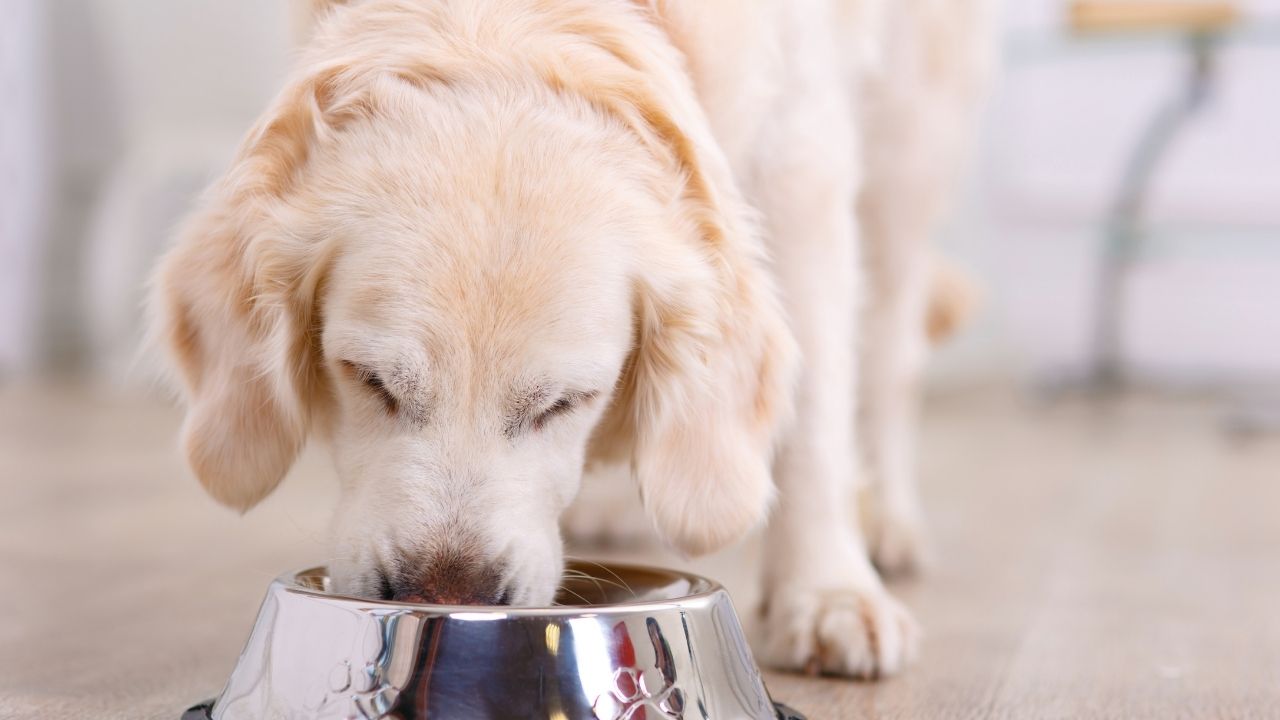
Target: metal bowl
{"points": [[636, 643]]}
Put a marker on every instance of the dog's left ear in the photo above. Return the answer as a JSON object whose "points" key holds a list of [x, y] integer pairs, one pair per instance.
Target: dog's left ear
{"points": [[710, 379], [706, 390]]}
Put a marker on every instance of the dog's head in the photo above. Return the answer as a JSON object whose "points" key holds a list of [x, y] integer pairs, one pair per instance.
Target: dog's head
{"points": [[468, 288]]}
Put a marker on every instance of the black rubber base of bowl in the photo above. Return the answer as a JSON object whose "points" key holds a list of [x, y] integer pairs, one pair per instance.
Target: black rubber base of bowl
{"points": [[203, 710], [199, 712], [786, 713]]}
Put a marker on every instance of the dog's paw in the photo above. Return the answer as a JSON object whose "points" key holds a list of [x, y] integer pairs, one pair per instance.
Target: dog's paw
{"points": [[854, 632], [899, 542]]}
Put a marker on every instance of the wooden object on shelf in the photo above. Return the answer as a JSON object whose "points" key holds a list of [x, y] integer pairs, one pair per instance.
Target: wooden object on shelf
{"points": [[1153, 15]]}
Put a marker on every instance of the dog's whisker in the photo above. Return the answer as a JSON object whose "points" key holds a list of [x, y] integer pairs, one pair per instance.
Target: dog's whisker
{"points": [[606, 569], [606, 581], [562, 588], [600, 582], [593, 579]]}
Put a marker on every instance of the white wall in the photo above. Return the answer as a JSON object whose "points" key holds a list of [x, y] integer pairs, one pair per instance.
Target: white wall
{"points": [[138, 98], [195, 63], [24, 177]]}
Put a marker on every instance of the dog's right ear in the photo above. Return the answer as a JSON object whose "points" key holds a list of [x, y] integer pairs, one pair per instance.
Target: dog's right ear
{"points": [[231, 304]]}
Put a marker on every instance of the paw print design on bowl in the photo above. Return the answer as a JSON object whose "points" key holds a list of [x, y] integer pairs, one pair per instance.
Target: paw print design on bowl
{"points": [[367, 693], [356, 688], [632, 699], [641, 694]]}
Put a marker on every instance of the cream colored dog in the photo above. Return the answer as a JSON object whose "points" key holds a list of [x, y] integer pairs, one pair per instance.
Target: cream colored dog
{"points": [[474, 245]]}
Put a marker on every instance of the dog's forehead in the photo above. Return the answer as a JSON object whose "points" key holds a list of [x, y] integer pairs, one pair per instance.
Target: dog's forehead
{"points": [[516, 281], [532, 307], [504, 235]]}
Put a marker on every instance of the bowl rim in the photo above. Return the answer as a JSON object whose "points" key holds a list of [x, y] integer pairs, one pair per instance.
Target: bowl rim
{"points": [[707, 591]]}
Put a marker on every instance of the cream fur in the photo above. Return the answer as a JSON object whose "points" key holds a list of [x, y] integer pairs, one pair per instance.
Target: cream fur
{"points": [[474, 245]]}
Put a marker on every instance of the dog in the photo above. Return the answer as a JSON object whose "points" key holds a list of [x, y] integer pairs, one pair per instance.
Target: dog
{"points": [[474, 247]]}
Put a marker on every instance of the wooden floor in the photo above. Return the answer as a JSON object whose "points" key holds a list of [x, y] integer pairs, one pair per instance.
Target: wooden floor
{"points": [[1120, 563]]}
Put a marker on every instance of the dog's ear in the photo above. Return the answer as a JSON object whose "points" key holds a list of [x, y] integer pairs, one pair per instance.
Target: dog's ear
{"points": [[706, 389], [232, 302], [709, 381]]}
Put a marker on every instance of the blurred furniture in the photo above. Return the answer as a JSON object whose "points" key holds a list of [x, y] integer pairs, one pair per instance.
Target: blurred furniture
{"points": [[1149, 15], [1201, 26], [1200, 31]]}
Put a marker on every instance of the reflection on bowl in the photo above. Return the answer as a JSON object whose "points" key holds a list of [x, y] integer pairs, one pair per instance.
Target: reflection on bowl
{"points": [[630, 642]]}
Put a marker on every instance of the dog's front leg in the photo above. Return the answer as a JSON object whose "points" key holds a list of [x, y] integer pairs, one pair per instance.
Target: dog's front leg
{"points": [[895, 227], [825, 608]]}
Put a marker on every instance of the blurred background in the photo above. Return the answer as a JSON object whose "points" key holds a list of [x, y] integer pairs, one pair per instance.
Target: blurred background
{"points": [[120, 110], [1120, 215]]}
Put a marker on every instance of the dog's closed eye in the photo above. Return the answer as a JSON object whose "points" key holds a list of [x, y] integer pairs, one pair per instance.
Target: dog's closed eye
{"points": [[373, 381], [564, 404], [535, 415]]}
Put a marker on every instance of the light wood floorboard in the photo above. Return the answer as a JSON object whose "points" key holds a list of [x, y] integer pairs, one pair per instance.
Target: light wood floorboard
{"points": [[1120, 563]]}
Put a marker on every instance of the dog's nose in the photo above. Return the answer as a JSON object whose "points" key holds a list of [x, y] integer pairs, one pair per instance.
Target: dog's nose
{"points": [[450, 578], [452, 596]]}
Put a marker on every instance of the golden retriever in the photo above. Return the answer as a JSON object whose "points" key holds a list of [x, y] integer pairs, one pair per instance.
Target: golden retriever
{"points": [[475, 245]]}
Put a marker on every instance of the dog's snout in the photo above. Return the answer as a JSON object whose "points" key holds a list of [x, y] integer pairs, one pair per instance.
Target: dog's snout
{"points": [[453, 577]]}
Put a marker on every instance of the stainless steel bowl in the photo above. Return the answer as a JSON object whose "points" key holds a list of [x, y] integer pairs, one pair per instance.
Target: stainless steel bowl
{"points": [[638, 643]]}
